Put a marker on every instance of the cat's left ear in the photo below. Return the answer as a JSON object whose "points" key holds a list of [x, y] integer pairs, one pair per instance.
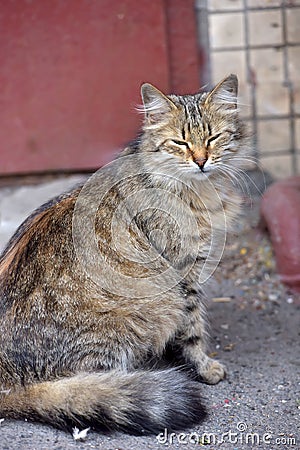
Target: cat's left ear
{"points": [[157, 106], [225, 93]]}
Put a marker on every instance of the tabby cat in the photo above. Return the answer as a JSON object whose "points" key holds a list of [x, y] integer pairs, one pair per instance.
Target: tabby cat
{"points": [[98, 285]]}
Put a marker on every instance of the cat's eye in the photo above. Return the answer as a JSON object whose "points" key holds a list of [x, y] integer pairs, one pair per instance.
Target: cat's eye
{"points": [[212, 139], [180, 143]]}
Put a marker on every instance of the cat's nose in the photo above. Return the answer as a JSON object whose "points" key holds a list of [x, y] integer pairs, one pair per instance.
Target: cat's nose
{"points": [[201, 161]]}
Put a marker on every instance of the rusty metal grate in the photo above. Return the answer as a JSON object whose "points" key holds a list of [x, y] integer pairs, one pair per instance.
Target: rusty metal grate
{"points": [[260, 40]]}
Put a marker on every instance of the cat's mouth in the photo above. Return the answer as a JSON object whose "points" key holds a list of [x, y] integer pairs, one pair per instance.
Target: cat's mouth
{"points": [[202, 172]]}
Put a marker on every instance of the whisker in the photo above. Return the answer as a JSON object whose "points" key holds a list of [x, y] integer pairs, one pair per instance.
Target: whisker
{"points": [[240, 179], [259, 167], [240, 175], [234, 175], [244, 176]]}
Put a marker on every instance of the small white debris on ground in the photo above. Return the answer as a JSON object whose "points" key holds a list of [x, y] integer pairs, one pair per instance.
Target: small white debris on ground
{"points": [[79, 435]]}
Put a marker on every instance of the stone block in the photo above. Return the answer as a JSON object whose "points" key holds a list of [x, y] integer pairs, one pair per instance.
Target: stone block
{"points": [[280, 211]]}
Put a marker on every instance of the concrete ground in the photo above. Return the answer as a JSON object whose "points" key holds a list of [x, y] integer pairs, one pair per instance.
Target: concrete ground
{"points": [[255, 331]]}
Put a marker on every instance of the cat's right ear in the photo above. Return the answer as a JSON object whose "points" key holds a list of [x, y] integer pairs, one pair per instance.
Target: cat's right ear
{"points": [[225, 93], [156, 105]]}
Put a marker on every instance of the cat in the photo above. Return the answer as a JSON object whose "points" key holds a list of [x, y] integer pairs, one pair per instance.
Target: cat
{"points": [[100, 283]]}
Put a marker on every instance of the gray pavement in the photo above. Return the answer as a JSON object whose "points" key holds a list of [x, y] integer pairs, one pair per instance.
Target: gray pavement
{"points": [[16, 203]]}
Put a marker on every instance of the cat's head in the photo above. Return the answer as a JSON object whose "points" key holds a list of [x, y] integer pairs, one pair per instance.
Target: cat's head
{"points": [[196, 134]]}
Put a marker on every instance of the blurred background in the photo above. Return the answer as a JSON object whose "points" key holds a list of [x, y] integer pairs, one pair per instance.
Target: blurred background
{"points": [[70, 77], [71, 70]]}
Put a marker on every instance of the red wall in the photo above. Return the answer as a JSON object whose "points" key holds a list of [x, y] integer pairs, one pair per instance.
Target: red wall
{"points": [[70, 74]]}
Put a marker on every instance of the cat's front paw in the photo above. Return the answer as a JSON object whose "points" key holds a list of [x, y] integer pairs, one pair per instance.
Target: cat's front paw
{"points": [[213, 372]]}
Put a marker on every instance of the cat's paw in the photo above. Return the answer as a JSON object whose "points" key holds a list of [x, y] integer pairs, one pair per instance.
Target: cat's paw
{"points": [[213, 372]]}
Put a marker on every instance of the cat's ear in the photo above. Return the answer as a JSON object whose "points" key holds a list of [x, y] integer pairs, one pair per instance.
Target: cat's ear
{"points": [[156, 105], [225, 93]]}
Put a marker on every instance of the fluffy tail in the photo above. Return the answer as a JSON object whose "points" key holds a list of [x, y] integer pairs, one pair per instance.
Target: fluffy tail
{"points": [[137, 402]]}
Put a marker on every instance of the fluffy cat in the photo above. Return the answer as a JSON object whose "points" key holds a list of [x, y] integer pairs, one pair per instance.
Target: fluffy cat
{"points": [[99, 283]]}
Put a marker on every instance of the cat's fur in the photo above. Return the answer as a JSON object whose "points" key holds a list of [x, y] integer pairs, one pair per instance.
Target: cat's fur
{"points": [[76, 348]]}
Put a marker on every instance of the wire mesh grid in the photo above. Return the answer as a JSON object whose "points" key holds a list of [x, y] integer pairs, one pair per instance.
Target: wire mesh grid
{"points": [[260, 41]]}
